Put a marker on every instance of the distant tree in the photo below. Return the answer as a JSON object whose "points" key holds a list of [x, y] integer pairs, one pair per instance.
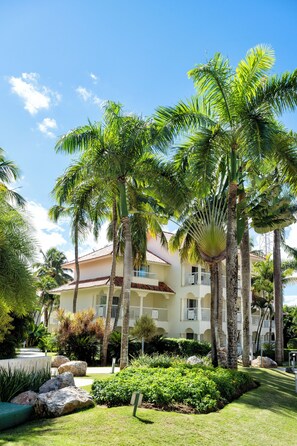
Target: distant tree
{"points": [[144, 329]]}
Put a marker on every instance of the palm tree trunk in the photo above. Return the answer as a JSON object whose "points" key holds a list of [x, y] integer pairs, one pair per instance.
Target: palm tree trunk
{"points": [[128, 268], [232, 275], [111, 287], [46, 318], [220, 307], [118, 312], [213, 312], [245, 295], [260, 326], [278, 298], [77, 269]]}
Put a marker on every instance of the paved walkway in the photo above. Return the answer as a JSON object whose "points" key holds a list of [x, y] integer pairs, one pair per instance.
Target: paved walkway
{"points": [[35, 353]]}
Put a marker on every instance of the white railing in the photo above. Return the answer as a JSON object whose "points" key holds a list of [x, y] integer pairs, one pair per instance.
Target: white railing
{"points": [[190, 314], [139, 273], [192, 279]]}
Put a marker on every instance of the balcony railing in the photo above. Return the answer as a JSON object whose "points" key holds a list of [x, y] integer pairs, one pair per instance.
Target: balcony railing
{"points": [[158, 314], [192, 279], [190, 314], [140, 273]]}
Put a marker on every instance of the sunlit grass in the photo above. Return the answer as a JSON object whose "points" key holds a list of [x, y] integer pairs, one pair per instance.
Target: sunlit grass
{"points": [[264, 416]]}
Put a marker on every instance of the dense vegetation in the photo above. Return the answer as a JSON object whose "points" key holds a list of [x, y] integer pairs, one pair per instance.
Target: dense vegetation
{"points": [[178, 387], [14, 382]]}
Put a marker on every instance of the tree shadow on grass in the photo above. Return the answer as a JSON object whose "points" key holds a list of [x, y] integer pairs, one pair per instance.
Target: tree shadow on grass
{"points": [[276, 392]]}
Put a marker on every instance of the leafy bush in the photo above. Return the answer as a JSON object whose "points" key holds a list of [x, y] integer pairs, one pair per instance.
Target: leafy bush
{"points": [[292, 343], [14, 338], [203, 389], [35, 333], [182, 347], [114, 346], [79, 335], [14, 382], [163, 360]]}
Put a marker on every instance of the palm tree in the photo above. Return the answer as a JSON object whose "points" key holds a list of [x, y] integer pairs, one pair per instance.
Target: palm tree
{"points": [[115, 151], [202, 236], [9, 172], [273, 209], [232, 118], [17, 251]]}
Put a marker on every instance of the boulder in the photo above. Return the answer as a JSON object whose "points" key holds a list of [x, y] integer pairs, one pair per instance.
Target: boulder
{"points": [[77, 368], [59, 360], [61, 402], [58, 382], [193, 360], [25, 398], [266, 363]]}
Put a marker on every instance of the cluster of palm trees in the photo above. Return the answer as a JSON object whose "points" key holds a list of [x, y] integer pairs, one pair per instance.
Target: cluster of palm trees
{"points": [[222, 141]]}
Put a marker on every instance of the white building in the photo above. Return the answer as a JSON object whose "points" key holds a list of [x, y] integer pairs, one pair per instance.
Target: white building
{"points": [[176, 295]]}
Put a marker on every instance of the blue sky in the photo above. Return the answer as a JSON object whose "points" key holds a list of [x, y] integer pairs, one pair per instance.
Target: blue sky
{"points": [[60, 59]]}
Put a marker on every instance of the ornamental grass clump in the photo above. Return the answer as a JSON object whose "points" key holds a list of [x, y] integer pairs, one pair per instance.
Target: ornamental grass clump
{"points": [[14, 382], [198, 389]]}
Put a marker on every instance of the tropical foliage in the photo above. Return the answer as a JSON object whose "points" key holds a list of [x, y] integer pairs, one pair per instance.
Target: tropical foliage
{"points": [[79, 335]]}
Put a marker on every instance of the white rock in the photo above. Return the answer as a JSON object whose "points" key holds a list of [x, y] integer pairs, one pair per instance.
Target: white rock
{"points": [[59, 360], [77, 368]]}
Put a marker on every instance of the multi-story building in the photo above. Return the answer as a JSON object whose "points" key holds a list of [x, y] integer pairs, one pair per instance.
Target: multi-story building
{"points": [[175, 294]]}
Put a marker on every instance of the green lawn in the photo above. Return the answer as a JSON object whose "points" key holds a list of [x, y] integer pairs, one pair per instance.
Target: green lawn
{"points": [[265, 416]]}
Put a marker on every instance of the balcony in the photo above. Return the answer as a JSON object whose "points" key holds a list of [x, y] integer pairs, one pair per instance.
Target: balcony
{"points": [[141, 276], [158, 314], [190, 314], [193, 279]]}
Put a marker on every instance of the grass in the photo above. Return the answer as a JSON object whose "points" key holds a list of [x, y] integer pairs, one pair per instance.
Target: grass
{"points": [[266, 415]]}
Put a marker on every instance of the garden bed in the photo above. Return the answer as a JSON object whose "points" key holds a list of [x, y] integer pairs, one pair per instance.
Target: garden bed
{"points": [[181, 388]]}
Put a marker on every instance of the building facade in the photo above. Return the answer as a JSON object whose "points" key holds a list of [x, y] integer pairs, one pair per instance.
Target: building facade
{"points": [[175, 294]]}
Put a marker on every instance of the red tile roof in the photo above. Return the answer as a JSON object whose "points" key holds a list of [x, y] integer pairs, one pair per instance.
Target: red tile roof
{"points": [[100, 281]]}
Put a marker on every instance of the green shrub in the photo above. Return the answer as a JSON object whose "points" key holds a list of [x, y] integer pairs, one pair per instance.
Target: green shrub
{"points": [[292, 344], [163, 360], [182, 347], [114, 346], [203, 389], [14, 382]]}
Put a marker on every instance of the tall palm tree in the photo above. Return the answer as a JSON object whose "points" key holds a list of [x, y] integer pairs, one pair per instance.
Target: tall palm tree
{"points": [[233, 111], [115, 150], [273, 209]]}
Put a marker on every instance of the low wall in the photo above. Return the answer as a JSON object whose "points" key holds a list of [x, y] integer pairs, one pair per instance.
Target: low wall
{"points": [[29, 364]]}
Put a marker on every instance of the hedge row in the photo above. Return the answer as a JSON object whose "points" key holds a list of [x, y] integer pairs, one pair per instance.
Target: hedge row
{"points": [[202, 389]]}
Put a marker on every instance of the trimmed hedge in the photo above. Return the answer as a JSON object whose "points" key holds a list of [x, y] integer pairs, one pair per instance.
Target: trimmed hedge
{"points": [[203, 389]]}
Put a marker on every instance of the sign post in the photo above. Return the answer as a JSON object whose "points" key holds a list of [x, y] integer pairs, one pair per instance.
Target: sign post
{"points": [[136, 400]]}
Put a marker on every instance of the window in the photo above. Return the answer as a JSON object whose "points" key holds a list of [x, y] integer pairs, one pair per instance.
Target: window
{"points": [[100, 306], [142, 271], [189, 335], [191, 303]]}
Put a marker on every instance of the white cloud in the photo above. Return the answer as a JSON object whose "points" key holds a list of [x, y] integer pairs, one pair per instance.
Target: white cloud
{"points": [[36, 97], [84, 93], [47, 233], [46, 127], [94, 78], [88, 96], [290, 300]]}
